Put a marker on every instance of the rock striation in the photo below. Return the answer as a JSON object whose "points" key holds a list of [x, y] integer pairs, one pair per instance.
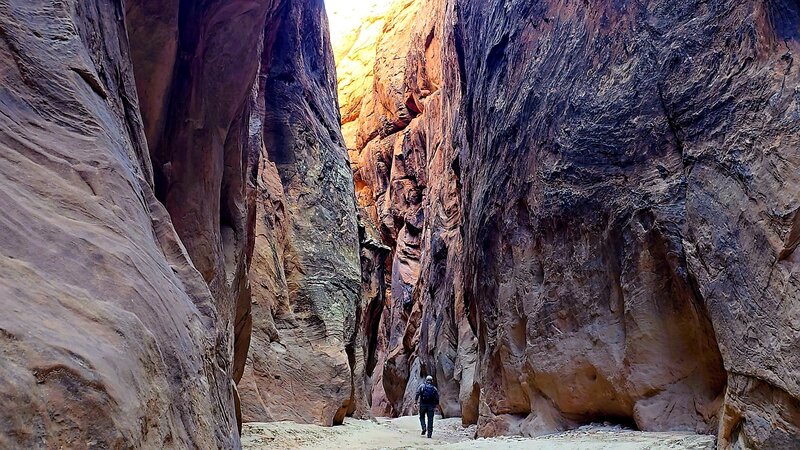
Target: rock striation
{"points": [[305, 353], [132, 191], [397, 134], [591, 213], [566, 212], [111, 336], [194, 85]]}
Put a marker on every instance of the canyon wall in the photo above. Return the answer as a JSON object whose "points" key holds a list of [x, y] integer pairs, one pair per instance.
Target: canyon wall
{"points": [[305, 355], [130, 184], [194, 83], [110, 334], [395, 123], [591, 210], [631, 192]]}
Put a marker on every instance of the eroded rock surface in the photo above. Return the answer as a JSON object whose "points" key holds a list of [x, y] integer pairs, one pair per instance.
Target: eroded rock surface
{"points": [[591, 209], [110, 335], [630, 213], [128, 179], [306, 357], [196, 64], [396, 132]]}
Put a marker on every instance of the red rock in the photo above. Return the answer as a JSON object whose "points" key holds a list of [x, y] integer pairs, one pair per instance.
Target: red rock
{"points": [[400, 120], [111, 336], [607, 213], [306, 359], [128, 224]]}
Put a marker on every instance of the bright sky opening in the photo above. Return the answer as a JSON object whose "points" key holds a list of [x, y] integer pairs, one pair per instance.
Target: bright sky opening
{"points": [[346, 15]]}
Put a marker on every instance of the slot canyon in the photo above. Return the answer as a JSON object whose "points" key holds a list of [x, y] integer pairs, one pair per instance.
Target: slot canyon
{"points": [[220, 215]]}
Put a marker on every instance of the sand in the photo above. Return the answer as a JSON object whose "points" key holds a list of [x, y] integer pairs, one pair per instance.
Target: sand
{"points": [[403, 433]]}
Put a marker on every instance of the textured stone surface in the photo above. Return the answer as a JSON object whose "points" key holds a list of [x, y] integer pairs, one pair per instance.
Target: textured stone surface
{"points": [[305, 346], [570, 212], [194, 83], [608, 195], [390, 130], [128, 179], [109, 334], [624, 198]]}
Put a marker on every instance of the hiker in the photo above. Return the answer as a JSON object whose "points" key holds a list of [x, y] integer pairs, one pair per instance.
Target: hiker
{"points": [[427, 398]]}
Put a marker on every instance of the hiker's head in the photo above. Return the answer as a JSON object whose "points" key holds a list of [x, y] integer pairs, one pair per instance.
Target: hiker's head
{"points": [[429, 379]]}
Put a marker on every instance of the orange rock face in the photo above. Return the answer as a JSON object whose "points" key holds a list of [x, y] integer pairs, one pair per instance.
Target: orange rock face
{"points": [[392, 114], [591, 211]]}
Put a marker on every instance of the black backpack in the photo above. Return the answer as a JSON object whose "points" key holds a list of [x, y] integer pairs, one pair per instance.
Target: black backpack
{"points": [[429, 394]]}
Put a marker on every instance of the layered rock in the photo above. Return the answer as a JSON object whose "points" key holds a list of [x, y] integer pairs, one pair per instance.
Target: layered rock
{"points": [[306, 357], [629, 217], [110, 335], [396, 135], [128, 223], [194, 83], [608, 196]]}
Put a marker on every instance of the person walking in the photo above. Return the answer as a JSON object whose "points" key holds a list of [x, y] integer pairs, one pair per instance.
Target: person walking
{"points": [[427, 398]]}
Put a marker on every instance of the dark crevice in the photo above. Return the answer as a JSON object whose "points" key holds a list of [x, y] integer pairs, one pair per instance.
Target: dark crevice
{"points": [[90, 79], [673, 125], [496, 55]]}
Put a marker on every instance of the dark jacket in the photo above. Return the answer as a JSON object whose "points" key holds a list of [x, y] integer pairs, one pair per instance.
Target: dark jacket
{"points": [[432, 399]]}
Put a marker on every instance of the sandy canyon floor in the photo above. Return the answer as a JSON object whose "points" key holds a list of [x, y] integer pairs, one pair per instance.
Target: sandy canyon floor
{"points": [[403, 433]]}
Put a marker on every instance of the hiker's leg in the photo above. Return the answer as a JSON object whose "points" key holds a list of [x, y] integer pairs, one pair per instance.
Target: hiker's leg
{"points": [[430, 420], [422, 417]]}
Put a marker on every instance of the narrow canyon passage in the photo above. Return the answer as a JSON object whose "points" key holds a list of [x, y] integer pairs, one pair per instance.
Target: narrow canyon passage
{"points": [[264, 223], [400, 433], [549, 226]]}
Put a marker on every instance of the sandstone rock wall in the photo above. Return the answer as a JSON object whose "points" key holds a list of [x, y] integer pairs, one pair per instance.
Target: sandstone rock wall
{"points": [[128, 178], [306, 359], [396, 101], [109, 332], [631, 193], [607, 195], [195, 66]]}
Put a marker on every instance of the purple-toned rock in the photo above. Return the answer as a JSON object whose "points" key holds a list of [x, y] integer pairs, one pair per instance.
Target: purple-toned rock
{"points": [[129, 199], [591, 210]]}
